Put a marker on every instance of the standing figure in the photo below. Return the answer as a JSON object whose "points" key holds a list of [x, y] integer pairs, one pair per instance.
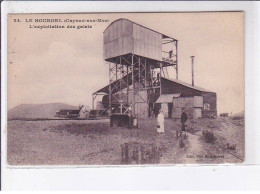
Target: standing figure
{"points": [[158, 79], [160, 122], [170, 54], [184, 118], [130, 109], [152, 114]]}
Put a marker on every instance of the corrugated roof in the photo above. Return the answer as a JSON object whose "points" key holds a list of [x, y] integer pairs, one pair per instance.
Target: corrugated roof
{"points": [[187, 85], [167, 98], [105, 89], [164, 36]]}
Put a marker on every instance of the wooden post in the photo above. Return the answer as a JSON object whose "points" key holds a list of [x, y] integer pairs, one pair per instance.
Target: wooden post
{"points": [[176, 59], [126, 153], [192, 69], [133, 85], [160, 78], [122, 153], [142, 150], [127, 92], [137, 155], [110, 90], [93, 99]]}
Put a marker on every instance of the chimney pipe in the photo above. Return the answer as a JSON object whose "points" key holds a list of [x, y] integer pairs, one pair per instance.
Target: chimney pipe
{"points": [[192, 69]]}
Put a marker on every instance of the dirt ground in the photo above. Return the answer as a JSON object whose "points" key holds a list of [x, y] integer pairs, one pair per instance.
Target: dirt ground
{"points": [[94, 142]]}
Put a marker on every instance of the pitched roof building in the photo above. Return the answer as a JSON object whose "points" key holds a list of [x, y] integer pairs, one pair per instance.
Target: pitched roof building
{"points": [[175, 96]]}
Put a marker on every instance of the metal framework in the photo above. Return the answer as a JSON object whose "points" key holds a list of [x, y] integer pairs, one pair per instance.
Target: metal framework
{"points": [[133, 79]]}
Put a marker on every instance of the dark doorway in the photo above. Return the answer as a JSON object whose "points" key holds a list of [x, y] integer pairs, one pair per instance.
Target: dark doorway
{"points": [[170, 110]]}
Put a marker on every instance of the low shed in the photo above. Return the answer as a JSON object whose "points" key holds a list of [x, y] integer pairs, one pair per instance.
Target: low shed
{"points": [[177, 95], [65, 113]]}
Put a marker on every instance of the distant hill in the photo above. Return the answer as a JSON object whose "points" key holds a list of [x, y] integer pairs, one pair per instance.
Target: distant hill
{"points": [[37, 110]]}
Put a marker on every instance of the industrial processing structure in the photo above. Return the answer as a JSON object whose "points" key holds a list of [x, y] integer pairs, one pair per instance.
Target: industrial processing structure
{"points": [[138, 59]]}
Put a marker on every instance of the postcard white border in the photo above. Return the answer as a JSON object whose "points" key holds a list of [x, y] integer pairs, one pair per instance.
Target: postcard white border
{"points": [[167, 177]]}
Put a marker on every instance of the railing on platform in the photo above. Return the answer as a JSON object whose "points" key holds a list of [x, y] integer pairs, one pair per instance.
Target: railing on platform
{"points": [[168, 57]]}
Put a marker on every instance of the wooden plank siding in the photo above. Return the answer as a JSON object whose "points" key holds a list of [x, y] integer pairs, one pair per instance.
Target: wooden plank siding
{"points": [[211, 99], [123, 37], [191, 98]]}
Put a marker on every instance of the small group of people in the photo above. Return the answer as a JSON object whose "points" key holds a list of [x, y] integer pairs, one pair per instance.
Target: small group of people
{"points": [[160, 121]]}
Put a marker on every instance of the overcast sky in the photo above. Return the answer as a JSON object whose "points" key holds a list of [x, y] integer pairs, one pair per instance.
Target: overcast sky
{"points": [[66, 65]]}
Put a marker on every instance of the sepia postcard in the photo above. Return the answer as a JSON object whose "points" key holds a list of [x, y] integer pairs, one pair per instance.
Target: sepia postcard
{"points": [[125, 89]]}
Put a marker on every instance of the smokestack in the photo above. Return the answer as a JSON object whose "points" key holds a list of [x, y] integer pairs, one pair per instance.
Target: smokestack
{"points": [[192, 69]]}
